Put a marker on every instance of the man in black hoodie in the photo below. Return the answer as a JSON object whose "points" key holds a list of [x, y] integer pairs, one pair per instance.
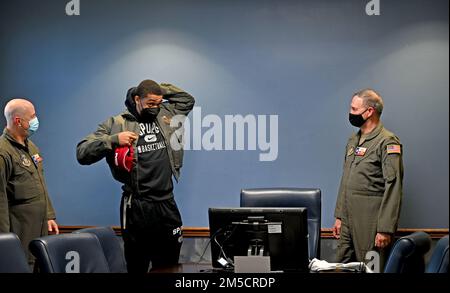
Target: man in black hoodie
{"points": [[137, 146]]}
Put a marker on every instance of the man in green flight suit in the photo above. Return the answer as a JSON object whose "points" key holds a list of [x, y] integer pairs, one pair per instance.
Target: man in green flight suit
{"points": [[370, 194], [25, 208]]}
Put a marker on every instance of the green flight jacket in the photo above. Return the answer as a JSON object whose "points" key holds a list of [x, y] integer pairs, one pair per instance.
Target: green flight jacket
{"points": [[371, 188], [25, 206], [104, 140]]}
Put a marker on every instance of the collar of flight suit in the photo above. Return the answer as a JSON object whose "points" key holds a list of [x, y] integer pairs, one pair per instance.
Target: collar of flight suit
{"points": [[14, 141], [371, 135]]}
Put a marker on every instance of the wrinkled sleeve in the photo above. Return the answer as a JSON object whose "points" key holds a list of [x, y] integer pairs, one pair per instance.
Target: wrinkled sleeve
{"points": [[392, 164], [181, 103], [51, 214], [97, 145], [338, 211], [5, 170]]}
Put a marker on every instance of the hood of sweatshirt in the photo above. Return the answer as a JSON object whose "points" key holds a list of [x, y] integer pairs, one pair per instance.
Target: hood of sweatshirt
{"points": [[130, 103]]}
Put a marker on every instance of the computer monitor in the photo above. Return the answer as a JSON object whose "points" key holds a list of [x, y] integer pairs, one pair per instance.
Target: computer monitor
{"points": [[281, 233]]}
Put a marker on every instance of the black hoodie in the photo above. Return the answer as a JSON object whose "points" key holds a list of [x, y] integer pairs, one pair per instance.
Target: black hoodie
{"points": [[130, 103], [101, 143], [154, 173]]}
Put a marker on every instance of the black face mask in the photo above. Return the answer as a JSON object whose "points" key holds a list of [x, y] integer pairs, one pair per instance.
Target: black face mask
{"points": [[357, 120], [148, 114]]}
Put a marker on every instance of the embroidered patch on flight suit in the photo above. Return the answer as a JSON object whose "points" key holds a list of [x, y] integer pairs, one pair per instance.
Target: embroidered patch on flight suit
{"points": [[393, 149], [37, 159], [350, 151], [360, 152], [25, 161]]}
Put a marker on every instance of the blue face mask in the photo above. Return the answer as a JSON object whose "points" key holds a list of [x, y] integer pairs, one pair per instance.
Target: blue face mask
{"points": [[34, 125]]}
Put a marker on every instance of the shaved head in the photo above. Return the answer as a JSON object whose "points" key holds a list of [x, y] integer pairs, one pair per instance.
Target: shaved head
{"points": [[18, 108]]}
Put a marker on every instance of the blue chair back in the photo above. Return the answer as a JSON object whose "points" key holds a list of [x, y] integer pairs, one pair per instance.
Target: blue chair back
{"points": [[439, 259], [69, 253], [407, 254], [12, 255], [112, 247], [310, 198]]}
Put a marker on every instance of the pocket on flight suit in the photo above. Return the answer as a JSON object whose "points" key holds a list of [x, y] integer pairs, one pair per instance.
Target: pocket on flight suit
{"points": [[364, 209], [389, 173], [371, 164], [25, 182]]}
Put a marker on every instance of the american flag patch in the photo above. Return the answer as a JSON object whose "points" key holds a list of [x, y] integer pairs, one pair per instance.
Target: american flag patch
{"points": [[36, 159], [360, 152], [394, 149]]}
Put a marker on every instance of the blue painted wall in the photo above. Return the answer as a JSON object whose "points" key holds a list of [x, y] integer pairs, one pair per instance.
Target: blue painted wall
{"points": [[300, 60]]}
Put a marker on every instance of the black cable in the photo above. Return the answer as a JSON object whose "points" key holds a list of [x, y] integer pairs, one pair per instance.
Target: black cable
{"points": [[207, 244]]}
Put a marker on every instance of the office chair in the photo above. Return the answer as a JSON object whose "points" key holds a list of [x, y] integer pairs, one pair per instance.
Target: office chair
{"points": [[111, 246], [12, 255], [407, 254], [439, 259], [69, 253], [291, 197]]}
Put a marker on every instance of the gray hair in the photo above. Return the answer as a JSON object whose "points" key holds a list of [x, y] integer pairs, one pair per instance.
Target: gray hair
{"points": [[371, 99]]}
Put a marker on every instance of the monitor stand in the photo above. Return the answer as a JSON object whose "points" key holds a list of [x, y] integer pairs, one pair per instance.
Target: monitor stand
{"points": [[255, 261], [252, 264], [256, 248]]}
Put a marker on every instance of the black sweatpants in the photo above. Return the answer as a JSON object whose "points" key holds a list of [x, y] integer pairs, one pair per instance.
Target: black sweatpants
{"points": [[151, 231]]}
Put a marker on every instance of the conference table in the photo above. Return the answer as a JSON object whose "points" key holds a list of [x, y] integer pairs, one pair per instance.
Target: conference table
{"points": [[185, 268], [207, 268]]}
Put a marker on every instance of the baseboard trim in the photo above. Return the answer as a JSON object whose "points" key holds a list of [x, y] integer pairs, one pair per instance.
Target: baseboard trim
{"points": [[196, 232]]}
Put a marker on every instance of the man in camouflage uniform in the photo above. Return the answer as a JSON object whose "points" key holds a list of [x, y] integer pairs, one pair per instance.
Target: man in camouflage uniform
{"points": [[370, 194]]}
